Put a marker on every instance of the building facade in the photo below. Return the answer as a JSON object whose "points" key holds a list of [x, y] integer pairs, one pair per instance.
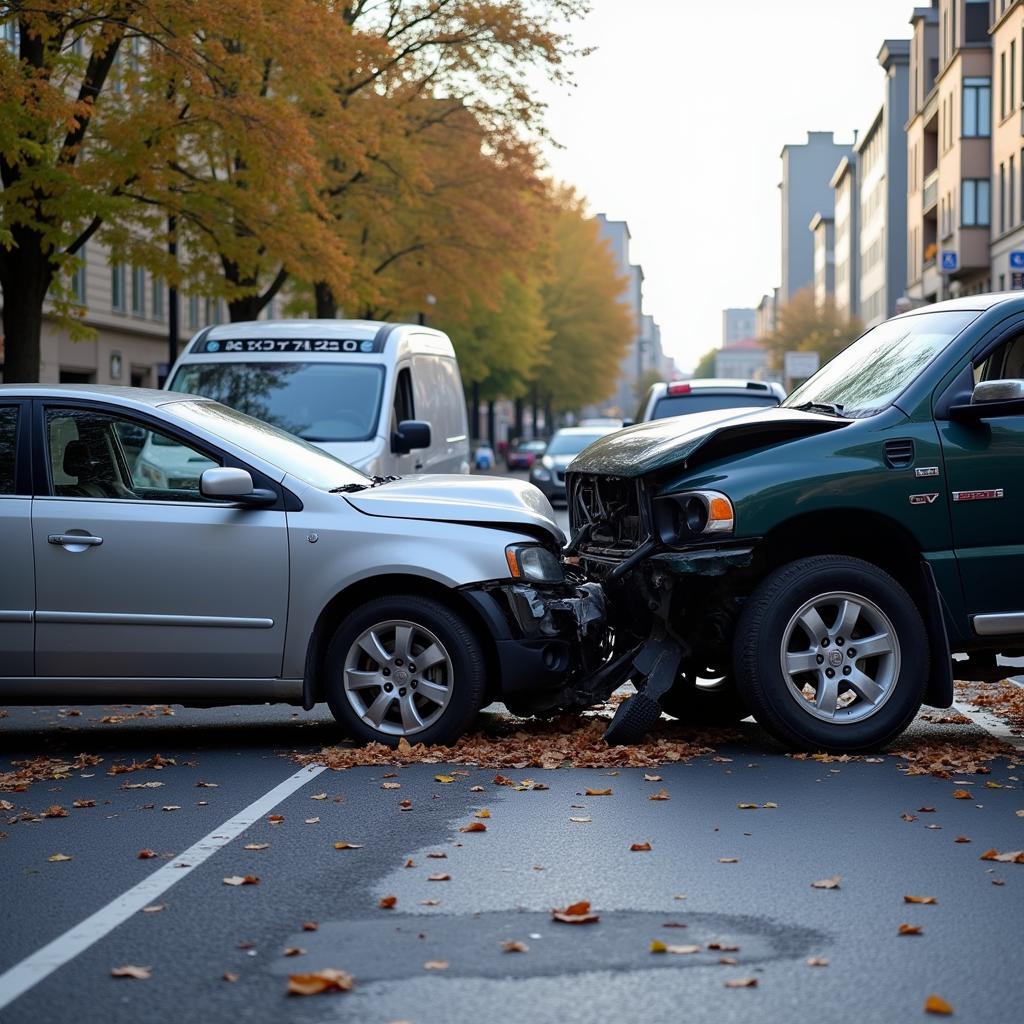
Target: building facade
{"points": [[745, 359], [805, 190], [766, 315], [823, 233], [847, 237], [737, 324]]}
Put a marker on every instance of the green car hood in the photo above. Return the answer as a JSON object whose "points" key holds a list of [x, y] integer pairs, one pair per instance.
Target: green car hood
{"points": [[650, 447]]}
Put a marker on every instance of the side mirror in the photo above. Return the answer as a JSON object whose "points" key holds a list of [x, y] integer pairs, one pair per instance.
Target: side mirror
{"points": [[409, 435], [992, 398], [226, 483]]}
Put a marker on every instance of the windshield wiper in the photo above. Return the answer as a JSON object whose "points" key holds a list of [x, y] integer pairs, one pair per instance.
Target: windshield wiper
{"points": [[375, 481], [829, 408]]}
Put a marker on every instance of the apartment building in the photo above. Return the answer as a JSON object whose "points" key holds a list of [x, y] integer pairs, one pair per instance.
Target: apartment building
{"points": [[1007, 228], [737, 324], [766, 316], [823, 233], [805, 190], [949, 170], [846, 250]]}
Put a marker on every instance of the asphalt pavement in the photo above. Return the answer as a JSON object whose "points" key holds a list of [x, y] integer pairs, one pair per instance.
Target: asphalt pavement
{"points": [[715, 874]]}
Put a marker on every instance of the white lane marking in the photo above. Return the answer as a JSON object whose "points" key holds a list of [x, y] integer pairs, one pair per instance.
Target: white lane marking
{"points": [[33, 969], [990, 723]]}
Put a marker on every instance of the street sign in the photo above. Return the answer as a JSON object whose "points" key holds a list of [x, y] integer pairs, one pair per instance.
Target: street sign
{"points": [[801, 365], [949, 262], [1017, 260]]}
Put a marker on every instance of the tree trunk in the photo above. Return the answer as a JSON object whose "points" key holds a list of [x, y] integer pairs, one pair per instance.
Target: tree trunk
{"points": [[517, 426], [25, 276], [490, 425], [249, 307], [474, 411], [533, 410], [326, 304], [549, 417]]}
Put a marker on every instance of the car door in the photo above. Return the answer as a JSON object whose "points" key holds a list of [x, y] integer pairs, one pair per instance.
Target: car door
{"points": [[440, 401], [136, 573], [984, 462], [403, 408], [17, 573]]}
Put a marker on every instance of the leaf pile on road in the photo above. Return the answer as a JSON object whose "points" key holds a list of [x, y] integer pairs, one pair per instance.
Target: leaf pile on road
{"points": [[564, 742], [43, 769], [1002, 699]]}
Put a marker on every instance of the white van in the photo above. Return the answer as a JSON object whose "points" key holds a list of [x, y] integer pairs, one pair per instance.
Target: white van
{"points": [[385, 398]]}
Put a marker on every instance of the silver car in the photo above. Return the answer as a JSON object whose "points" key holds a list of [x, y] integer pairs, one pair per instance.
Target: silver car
{"points": [[254, 567]]}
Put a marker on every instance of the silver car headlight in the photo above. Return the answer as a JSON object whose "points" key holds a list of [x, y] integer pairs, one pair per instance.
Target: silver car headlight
{"points": [[533, 562], [540, 473]]}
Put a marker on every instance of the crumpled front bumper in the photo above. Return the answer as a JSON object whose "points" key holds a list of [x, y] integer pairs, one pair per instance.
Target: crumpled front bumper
{"points": [[544, 636]]}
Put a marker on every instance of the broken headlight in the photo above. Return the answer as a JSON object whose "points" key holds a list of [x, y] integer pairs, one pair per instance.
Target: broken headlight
{"points": [[533, 562], [692, 515]]}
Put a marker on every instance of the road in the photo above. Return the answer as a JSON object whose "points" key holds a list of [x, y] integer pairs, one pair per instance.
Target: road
{"points": [[734, 881]]}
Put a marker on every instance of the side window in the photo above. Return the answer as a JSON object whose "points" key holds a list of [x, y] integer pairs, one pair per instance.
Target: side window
{"points": [[8, 447], [1005, 363], [405, 407], [97, 455]]}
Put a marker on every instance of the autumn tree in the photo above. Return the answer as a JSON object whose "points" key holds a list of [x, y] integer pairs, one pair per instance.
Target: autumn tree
{"points": [[706, 364], [805, 326]]}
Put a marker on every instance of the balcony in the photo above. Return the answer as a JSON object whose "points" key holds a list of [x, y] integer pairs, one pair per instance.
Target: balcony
{"points": [[931, 191]]}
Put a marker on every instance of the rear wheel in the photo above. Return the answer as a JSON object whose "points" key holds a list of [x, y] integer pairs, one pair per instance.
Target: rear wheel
{"points": [[405, 667], [831, 653]]}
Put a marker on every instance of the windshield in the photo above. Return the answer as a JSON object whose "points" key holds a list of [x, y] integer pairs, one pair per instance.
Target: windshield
{"points": [[318, 401], [680, 405], [877, 368], [573, 444], [286, 451]]}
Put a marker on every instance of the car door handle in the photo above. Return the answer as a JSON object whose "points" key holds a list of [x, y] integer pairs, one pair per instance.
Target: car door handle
{"points": [[63, 539]]}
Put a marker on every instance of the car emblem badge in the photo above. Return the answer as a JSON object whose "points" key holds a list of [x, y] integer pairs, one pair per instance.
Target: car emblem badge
{"points": [[926, 471], [986, 495], [923, 499], [835, 658]]}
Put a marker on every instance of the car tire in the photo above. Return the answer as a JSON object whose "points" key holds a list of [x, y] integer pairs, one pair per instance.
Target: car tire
{"points": [[377, 647], [822, 692], [707, 702]]}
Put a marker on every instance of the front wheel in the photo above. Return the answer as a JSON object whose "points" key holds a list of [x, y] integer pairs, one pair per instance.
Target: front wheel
{"points": [[405, 667], [831, 653]]}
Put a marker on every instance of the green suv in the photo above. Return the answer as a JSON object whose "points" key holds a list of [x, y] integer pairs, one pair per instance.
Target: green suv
{"points": [[817, 565]]}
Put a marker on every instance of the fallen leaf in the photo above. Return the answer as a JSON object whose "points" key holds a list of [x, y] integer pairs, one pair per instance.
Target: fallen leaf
{"points": [[436, 965], [747, 807], [682, 896], [581, 820], [154, 908], [476, 789], [652, 778], [993, 785], [171, 807], [327, 980], [933, 826], [390, 775], [961, 794], [514, 946], [405, 805], [206, 785], [131, 971], [724, 947], [817, 961], [742, 983], [640, 847], [348, 846], [926, 810], [474, 826], [908, 817], [256, 846], [390, 785], [998, 881], [936, 1004], [920, 899], [962, 839], [500, 780], [437, 855], [827, 883], [147, 854], [662, 794], [410, 863], [482, 813], [56, 811], [228, 976], [770, 806], [444, 779], [309, 926], [657, 946], [6, 805], [728, 961], [575, 913], [293, 951], [142, 785], [441, 877], [275, 819], [318, 796], [387, 902], [242, 880], [312, 821], [728, 860], [56, 858], [430, 903], [598, 792], [1013, 857], [910, 929]]}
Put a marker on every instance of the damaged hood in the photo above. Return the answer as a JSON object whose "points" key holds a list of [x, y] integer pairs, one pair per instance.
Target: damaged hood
{"points": [[648, 447], [482, 500]]}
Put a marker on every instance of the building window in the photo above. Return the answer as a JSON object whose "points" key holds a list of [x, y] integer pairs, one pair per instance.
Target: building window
{"points": [[193, 311], [977, 114], [974, 202], [1012, 179], [1013, 73], [158, 299], [138, 291], [1002, 198], [78, 279], [117, 301], [9, 34]]}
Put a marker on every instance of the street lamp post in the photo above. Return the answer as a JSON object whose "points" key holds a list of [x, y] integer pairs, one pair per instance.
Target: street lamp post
{"points": [[431, 301]]}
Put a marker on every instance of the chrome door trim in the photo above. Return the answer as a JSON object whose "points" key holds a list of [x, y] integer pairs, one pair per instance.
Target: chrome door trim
{"points": [[998, 623], [65, 539], [15, 615], [133, 619]]}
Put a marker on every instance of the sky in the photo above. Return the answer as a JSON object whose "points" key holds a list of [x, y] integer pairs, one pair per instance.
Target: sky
{"points": [[676, 123]]}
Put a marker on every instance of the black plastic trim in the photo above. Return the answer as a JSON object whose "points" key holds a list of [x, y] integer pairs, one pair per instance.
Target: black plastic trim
{"points": [[939, 691]]}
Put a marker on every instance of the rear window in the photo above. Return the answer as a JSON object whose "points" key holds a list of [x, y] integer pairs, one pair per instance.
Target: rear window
{"points": [[681, 405]]}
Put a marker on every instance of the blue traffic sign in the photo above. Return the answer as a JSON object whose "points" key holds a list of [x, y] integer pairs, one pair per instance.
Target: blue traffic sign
{"points": [[949, 261], [1017, 260]]}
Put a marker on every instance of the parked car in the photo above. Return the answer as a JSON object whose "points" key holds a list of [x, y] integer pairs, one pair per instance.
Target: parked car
{"points": [[483, 456], [601, 421], [548, 473], [817, 564], [523, 454], [680, 398], [386, 398], [255, 567]]}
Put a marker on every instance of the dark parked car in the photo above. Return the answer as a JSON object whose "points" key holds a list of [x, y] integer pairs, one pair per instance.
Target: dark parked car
{"points": [[818, 564], [523, 454], [548, 472]]}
